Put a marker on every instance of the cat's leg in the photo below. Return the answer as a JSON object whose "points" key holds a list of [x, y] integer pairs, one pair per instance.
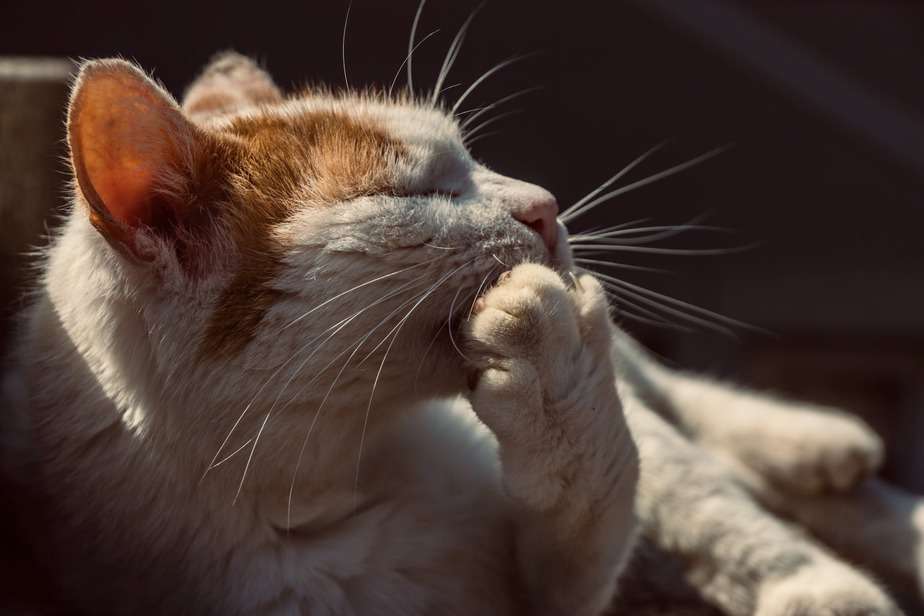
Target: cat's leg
{"points": [[875, 524], [740, 557], [546, 388], [801, 447]]}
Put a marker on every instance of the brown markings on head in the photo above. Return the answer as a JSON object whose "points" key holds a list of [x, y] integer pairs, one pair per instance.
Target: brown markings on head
{"points": [[288, 162]]}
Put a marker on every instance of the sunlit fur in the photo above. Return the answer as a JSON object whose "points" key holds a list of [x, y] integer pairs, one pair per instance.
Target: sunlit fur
{"points": [[238, 410]]}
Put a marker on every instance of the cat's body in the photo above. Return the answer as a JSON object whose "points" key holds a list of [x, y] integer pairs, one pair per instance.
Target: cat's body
{"points": [[229, 373]]}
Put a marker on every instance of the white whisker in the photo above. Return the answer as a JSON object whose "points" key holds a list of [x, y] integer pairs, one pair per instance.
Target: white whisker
{"points": [[452, 53], [406, 58], [576, 207], [593, 248], [411, 47], [501, 116], [643, 182], [394, 336], [479, 111], [625, 266], [346, 20], [483, 77]]}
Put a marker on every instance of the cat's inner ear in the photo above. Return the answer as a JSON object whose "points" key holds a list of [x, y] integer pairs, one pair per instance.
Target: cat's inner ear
{"points": [[133, 152], [230, 82]]}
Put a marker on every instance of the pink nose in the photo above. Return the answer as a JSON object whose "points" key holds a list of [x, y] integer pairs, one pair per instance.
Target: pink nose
{"points": [[540, 216]]}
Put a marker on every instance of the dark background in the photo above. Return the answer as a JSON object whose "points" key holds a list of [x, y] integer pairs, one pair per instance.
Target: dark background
{"points": [[824, 101]]}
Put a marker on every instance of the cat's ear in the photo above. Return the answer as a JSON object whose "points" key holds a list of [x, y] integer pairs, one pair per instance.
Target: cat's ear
{"points": [[137, 160], [229, 82]]}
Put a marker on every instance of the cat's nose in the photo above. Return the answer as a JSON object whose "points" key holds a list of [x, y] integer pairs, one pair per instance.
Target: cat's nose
{"points": [[540, 215]]}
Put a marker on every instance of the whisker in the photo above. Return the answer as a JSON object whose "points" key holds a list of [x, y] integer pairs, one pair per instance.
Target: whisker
{"points": [[593, 248], [501, 116], [360, 286], [452, 53], [652, 322], [411, 47], [644, 182], [680, 303], [576, 208], [477, 138], [479, 111], [484, 76], [358, 345], [625, 266], [396, 331], [452, 339], [253, 448], [339, 325], [480, 287], [232, 454], [346, 20], [406, 58], [592, 233], [620, 291]]}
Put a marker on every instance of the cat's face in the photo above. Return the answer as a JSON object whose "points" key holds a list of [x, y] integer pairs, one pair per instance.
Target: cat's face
{"points": [[296, 239]]}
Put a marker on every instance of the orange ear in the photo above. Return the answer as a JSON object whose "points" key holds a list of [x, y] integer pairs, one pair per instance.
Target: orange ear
{"points": [[131, 148], [229, 82]]}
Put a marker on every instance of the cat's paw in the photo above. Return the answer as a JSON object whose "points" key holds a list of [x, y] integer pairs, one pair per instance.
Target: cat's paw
{"points": [[808, 450], [824, 588], [544, 381]]}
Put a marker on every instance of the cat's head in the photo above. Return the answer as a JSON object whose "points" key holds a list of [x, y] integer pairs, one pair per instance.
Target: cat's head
{"points": [[268, 242]]}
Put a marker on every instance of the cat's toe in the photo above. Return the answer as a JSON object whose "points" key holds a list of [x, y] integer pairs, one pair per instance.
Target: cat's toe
{"points": [[528, 315]]}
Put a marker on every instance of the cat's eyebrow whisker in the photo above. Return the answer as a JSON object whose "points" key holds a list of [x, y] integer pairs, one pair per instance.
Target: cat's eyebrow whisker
{"points": [[484, 76], [470, 142], [643, 182], [394, 80], [576, 208], [625, 266], [687, 252], [479, 111], [411, 47], [394, 336], [346, 21], [452, 53], [501, 116]]}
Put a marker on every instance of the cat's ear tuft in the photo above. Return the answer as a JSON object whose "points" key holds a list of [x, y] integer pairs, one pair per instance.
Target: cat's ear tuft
{"points": [[133, 151], [229, 82]]}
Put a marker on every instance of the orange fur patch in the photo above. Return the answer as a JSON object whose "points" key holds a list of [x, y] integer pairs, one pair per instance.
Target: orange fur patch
{"points": [[287, 163]]}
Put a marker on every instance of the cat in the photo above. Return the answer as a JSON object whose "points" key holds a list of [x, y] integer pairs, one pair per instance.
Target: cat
{"points": [[304, 354]]}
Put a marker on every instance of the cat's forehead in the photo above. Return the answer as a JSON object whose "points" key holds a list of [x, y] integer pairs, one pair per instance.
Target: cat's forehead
{"points": [[403, 119]]}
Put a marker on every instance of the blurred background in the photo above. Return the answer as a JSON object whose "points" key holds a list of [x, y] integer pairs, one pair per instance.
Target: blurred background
{"points": [[824, 102]]}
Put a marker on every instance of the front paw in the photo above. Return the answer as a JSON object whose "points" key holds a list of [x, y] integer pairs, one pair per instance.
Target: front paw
{"points": [[545, 384], [533, 335]]}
